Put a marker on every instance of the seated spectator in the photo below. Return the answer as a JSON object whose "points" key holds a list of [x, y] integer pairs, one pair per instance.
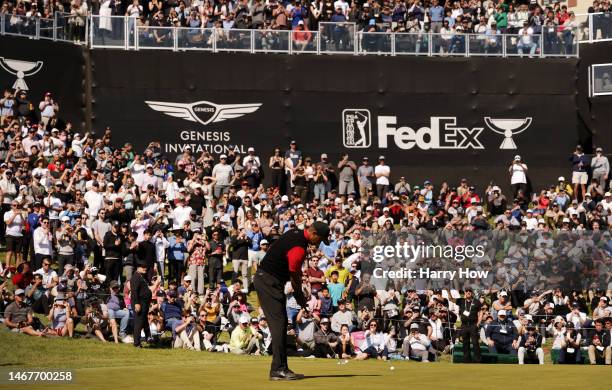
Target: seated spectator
{"points": [[37, 296], [96, 320], [599, 348], [62, 323], [570, 351], [18, 316], [245, 338], [530, 346], [374, 344], [117, 311], [346, 346], [172, 310], [416, 345], [187, 335], [344, 316], [325, 341], [502, 336]]}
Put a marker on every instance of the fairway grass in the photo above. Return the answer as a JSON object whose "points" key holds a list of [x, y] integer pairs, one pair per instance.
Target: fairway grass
{"points": [[108, 366]]}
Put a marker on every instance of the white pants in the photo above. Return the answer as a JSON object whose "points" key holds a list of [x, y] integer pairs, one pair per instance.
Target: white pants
{"points": [[522, 351], [188, 340]]}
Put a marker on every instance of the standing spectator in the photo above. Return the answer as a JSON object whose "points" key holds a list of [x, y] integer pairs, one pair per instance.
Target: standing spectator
{"points": [[252, 168], [469, 312], [176, 256], [293, 160], [518, 176], [8, 191], [48, 110], [197, 262], [216, 250], [112, 252], [580, 164], [43, 243], [346, 173], [601, 168], [222, 173], [14, 220], [365, 175], [382, 173], [277, 167]]}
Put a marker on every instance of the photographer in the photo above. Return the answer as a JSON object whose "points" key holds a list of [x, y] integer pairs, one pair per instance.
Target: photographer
{"points": [[416, 345], [518, 176], [96, 320], [18, 316], [65, 240], [197, 262], [187, 335], [530, 346], [62, 323]]}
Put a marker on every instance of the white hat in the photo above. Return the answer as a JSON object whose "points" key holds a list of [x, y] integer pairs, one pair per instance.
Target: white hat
{"points": [[503, 294], [324, 155], [187, 278], [301, 23], [541, 220], [369, 208], [501, 313], [245, 318], [251, 149], [284, 198], [65, 218], [608, 194], [263, 242], [385, 209], [149, 165], [223, 156], [517, 158], [566, 220], [529, 210], [561, 178], [300, 206], [529, 317]]}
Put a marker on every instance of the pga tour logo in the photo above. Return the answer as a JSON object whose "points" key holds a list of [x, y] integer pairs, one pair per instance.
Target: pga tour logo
{"points": [[443, 132]]}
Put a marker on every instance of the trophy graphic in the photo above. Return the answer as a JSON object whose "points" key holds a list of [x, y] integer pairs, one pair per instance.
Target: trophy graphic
{"points": [[20, 69], [508, 128]]}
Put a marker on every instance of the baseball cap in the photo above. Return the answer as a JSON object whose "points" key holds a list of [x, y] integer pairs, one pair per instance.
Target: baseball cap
{"points": [[503, 294], [517, 158], [325, 320], [65, 218], [322, 230], [187, 278], [608, 194], [244, 319], [264, 242], [561, 178], [19, 291], [414, 326], [381, 157], [251, 149], [223, 156], [284, 198], [501, 313], [323, 155]]}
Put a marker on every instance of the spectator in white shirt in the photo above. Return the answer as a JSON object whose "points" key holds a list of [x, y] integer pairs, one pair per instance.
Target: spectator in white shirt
{"points": [[382, 173], [374, 344], [518, 176], [15, 222], [43, 242], [416, 345], [95, 200], [180, 215], [222, 172]]}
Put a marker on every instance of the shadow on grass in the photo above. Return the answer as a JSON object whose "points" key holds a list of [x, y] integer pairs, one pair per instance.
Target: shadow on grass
{"points": [[337, 376]]}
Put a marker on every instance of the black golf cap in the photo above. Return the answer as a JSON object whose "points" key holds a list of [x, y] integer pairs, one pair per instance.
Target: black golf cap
{"points": [[322, 230]]}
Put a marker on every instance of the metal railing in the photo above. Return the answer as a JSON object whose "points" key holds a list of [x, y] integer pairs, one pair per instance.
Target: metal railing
{"points": [[121, 32], [62, 27], [594, 27]]}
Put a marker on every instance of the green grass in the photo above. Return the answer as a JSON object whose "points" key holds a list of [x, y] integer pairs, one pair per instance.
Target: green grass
{"points": [[100, 365]]}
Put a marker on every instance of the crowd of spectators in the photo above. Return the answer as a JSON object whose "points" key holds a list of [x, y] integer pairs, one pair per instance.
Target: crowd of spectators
{"points": [[450, 19], [79, 213]]}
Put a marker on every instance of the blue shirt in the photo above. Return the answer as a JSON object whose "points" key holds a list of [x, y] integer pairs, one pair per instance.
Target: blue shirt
{"points": [[176, 250], [33, 222], [436, 13], [255, 238], [335, 291]]}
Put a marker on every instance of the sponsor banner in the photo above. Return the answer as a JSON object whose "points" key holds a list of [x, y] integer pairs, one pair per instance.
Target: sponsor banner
{"points": [[439, 119], [42, 66]]}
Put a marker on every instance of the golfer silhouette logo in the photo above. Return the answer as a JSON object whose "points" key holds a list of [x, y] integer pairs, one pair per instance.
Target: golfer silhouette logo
{"points": [[20, 69], [508, 128], [356, 128]]}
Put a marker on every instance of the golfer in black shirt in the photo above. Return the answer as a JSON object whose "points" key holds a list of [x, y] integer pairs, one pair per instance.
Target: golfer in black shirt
{"points": [[282, 263], [141, 298]]}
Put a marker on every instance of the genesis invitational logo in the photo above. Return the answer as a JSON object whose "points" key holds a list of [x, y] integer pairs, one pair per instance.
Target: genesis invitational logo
{"points": [[203, 111], [20, 69]]}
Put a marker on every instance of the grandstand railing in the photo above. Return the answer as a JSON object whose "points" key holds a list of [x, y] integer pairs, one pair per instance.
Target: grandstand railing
{"points": [[62, 27], [122, 32], [594, 27]]}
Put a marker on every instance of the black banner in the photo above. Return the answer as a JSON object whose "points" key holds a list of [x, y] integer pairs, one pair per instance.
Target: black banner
{"points": [[433, 118], [45, 66]]}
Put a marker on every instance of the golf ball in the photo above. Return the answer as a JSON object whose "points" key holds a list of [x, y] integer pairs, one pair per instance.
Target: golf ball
{"points": [[345, 361], [391, 368]]}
